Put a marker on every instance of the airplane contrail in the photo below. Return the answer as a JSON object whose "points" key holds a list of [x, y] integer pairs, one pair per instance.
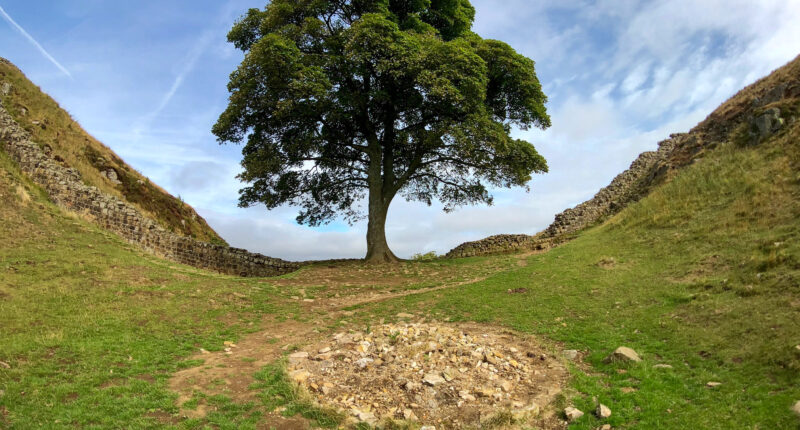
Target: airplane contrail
{"points": [[33, 41]]}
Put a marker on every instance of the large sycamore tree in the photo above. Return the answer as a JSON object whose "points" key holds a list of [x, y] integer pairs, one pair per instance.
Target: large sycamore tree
{"points": [[341, 100]]}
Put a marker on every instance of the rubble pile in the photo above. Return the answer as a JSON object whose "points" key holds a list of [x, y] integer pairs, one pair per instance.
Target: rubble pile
{"points": [[445, 375]]}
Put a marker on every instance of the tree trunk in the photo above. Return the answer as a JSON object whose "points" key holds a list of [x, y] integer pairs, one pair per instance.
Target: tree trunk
{"points": [[377, 248]]}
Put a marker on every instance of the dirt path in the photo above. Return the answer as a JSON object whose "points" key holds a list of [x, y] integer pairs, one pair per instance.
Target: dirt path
{"points": [[230, 372]]}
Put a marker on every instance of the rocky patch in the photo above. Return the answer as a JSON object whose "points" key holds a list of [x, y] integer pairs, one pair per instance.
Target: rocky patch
{"points": [[448, 376]]}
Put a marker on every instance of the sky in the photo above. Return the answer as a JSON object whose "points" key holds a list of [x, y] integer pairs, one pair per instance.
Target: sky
{"points": [[148, 78]]}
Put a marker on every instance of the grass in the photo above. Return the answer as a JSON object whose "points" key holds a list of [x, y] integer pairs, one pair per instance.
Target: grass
{"points": [[92, 328], [278, 392]]}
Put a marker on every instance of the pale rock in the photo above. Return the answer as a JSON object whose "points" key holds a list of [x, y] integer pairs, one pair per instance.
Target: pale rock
{"points": [[572, 413], [409, 415], [405, 315], [367, 417], [299, 375], [713, 384], [433, 379], [507, 386], [603, 411], [606, 427], [298, 356], [427, 428], [363, 363], [623, 353], [796, 408], [570, 354], [662, 366], [325, 350]]}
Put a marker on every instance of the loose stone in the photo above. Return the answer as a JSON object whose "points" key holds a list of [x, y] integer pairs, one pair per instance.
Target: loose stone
{"points": [[623, 354], [572, 413], [603, 411]]}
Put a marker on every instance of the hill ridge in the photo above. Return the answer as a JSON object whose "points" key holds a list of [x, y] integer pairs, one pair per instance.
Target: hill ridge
{"points": [[57, 132], [747, 117], [65, 188]]}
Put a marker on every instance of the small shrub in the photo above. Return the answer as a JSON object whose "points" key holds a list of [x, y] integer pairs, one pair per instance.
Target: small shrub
{"points": [[425, 257]]}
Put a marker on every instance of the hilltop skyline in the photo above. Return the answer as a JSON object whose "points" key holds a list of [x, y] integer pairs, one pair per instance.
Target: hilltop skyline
{"points": [[619, 80]]}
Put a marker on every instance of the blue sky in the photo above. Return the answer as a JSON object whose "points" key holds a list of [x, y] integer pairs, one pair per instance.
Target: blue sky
{"points": [[148, 78]]}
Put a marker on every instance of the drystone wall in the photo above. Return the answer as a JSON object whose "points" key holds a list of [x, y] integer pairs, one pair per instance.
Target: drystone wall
{"points": [[65, 188], [499, 244]]}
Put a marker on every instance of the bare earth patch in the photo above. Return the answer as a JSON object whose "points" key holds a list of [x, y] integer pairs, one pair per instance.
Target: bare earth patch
{"points": [[230, 372], [448, 376]]}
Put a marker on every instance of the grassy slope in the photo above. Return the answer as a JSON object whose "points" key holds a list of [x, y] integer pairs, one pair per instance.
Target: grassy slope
{"points": [[706, 278], [80, 150], [93, 328]]}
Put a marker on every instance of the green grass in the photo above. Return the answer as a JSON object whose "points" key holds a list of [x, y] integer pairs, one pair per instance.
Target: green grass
{"points": [[92, 328], [278, 392]]}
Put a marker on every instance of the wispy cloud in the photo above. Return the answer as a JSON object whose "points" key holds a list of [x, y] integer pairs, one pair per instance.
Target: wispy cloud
{"points": [[189, 63], [33, 41], [202, 45]]}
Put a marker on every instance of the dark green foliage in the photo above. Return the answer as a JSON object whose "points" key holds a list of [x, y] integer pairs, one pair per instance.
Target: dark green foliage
{"points": [[339, 99]]}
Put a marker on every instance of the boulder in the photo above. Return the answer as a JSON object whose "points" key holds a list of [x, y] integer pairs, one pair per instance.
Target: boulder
{"points": [[769, 122], [298, 357], [5, 89], [796, 408], [603, 411]]}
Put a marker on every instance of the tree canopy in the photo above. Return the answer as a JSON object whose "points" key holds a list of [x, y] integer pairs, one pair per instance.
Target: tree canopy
{"points": [[338, 100]]}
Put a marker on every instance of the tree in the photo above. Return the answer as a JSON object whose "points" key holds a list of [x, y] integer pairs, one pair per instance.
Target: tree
{"points": [[344, 99]]}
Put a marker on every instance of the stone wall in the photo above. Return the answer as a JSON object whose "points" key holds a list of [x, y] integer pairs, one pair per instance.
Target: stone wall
{"points": [[625, 188], [66, 189], [499, 244]]}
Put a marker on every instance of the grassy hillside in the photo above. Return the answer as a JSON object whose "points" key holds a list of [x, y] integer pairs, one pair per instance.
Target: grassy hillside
{"points": [[703, 275], [53, 127]]}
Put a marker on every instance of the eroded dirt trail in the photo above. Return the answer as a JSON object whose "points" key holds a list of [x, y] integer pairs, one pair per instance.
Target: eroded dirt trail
{"points": [[231, 372]]}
